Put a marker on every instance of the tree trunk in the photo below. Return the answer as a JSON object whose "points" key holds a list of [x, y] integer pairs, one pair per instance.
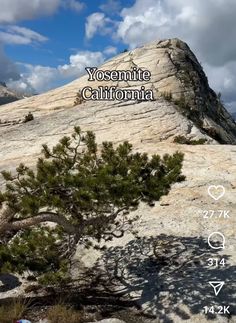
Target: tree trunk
{"points": [[7, 223]]}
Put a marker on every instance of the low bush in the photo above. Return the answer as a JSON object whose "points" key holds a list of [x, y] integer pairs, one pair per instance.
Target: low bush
{"points": [[63, 314], [167, 96], [29, 117], [185, 141]]}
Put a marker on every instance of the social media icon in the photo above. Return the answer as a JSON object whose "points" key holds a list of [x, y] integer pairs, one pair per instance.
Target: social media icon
{"points": [[217, 286], [216, 240], [216, 191]]}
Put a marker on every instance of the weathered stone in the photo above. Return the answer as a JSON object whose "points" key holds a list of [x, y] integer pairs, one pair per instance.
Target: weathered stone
{"points": [[174, 69]]}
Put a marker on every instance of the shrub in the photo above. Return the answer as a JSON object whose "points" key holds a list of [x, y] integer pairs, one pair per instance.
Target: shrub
{"points": [[181, 102], [63, 314], [167, 96], [79, 99], [185, 141], [13, 312], [29, 117], [178, 43]]}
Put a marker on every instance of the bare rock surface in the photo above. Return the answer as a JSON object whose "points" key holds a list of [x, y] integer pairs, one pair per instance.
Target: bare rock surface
{"points": [[173, 284], [174, 70]]}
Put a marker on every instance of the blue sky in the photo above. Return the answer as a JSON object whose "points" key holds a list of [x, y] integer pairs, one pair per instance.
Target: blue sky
{"points": [[63, 34], [65, 31], [47, 43]]}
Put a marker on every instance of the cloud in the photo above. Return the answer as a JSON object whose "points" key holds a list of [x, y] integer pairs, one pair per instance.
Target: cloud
{"points": [[20, 36], [13, 11], [8, 70], [79, 61], [111, 7], [197, 22], [143, 22], [223, 80], [41, 77], [74, 5], [17, 10], [98, 23], [110, 50], [38, 79]]}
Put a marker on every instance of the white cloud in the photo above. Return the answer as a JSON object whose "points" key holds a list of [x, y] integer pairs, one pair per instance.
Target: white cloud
{"points": [[145, 21], [205, 25], [20, 36], [21, 86], [41, 77], [17, 10], [110, 50], [37, 79], [98, 23], [79, 61], [13, 11]]}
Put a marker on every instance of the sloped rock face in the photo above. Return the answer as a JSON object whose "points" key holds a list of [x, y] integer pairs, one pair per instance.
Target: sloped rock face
{"points": [[174, 70], [138, 123], [189, 84], [177, 72]]}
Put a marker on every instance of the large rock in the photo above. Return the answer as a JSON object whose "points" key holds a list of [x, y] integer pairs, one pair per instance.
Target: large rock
{"points": [[174, 70], [174, 286]]}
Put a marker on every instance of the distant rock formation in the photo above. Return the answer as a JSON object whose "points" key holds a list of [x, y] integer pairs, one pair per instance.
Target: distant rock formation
{"points": [[7, 95]]}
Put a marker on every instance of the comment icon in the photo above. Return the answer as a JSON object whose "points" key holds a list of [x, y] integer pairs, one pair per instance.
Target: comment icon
{"points": [[216, 240]]}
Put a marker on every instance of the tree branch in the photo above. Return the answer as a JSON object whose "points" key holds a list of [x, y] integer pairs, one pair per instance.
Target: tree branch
{"points": [[38, 219]]}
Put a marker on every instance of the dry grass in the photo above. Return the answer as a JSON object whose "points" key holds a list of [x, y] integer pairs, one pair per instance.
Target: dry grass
{"points": [[63, 314], [13, 312]]}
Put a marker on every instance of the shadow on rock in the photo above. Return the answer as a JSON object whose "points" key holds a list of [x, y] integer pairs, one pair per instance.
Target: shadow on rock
{"points": [[167, 276], [8, 282]]}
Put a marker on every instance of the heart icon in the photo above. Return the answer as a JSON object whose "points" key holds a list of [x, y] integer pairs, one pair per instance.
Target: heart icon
{"points": [[216, 191]]}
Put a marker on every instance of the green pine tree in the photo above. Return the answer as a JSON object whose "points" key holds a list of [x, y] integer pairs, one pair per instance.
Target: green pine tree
{"points": [[84, 193]]}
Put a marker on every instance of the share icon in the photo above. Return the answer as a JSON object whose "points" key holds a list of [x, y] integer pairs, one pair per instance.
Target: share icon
{"points": [[217, 286]]}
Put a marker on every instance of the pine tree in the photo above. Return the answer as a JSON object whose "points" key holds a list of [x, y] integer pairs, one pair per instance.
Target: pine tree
{"points": [[77, 194]]}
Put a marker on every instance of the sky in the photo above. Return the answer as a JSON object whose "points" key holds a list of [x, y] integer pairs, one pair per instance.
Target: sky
{"points": [[48, 43]]}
